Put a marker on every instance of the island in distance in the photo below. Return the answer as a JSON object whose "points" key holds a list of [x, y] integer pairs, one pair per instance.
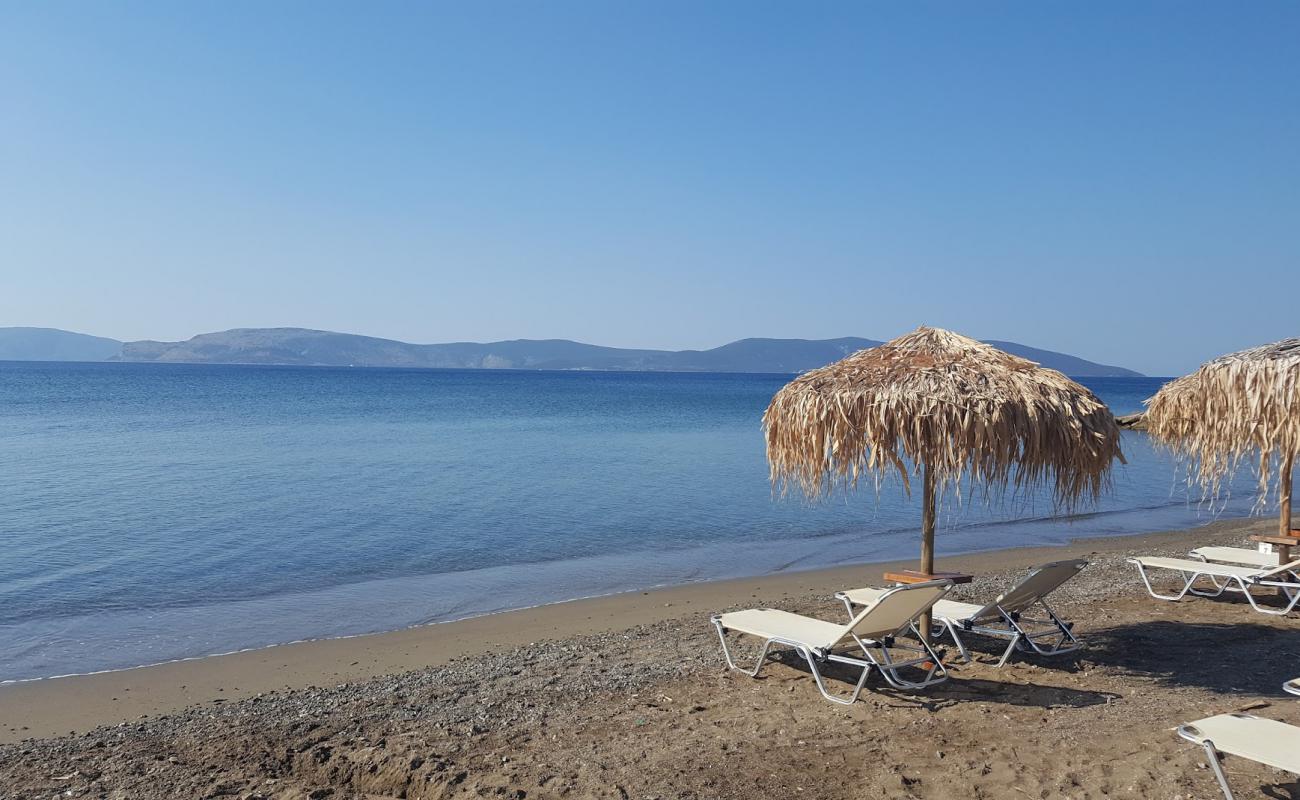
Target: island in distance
{"points": [[305, 347]]}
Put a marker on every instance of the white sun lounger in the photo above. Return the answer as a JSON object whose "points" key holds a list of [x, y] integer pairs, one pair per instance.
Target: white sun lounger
{"points": [[872, 632], [1236, 555], [1269, 742], [1224, 577], [1005, 617]]}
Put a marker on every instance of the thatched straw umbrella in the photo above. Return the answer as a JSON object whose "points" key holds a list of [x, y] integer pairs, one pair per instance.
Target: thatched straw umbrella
{"points": [[937, 404], [1241, 404]]}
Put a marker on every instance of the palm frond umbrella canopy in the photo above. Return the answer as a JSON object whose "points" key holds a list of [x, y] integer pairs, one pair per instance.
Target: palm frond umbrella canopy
{"points": [[1240, 405], [941, 406]]}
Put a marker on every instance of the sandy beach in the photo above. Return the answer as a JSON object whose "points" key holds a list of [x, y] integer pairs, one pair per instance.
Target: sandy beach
{"points": [[627, 696]]}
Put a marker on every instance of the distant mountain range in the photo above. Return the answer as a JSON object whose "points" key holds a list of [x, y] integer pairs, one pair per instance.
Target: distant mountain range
{"points": [[304, 347], [52, 344]]}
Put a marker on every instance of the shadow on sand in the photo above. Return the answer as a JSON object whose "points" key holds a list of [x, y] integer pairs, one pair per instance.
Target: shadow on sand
{"points": [[957, 689], [1230, 658], [1246, 656]]}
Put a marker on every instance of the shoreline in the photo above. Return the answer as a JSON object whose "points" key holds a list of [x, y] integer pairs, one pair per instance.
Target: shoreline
{"points": [[599, 595], [59, 706], [406, 601]]}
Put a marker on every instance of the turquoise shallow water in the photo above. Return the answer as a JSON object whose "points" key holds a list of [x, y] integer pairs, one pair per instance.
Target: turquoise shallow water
{"points": [[153, 512]]}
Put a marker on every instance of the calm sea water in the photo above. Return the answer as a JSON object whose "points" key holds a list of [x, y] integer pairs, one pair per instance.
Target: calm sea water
{"points": [[155, 512]]}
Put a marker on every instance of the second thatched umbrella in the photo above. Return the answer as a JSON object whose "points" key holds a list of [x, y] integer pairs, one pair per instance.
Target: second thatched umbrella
{"points": [[1236, 406], [938, 405]]}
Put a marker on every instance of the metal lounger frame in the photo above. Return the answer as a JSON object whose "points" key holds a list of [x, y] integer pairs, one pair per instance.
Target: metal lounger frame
{"points": [[1226, 587], [1242, 585], [1016, 630], [885, 663], [1213, 755]]}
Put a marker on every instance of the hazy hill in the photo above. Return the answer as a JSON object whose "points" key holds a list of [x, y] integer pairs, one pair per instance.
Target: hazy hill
{"points": [[52, 344], [1070, 365], [763, 355], [306, 347], [325, 348]]}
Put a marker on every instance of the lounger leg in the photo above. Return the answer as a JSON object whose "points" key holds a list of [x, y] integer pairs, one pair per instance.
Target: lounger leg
{"points": [[938, 673], [1067, 643], [1213, 755], [956, 638], [1146, 580], [883, 664], [1226, 586], [1011, 648], [1017, 636], [1292, 595], [1213, 580], [889, 669], [726, 652], [821, 684]]}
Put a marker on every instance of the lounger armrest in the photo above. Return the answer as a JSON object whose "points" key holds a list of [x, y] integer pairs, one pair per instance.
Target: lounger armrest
{"points": [[1191, 733], [1290, 566]]}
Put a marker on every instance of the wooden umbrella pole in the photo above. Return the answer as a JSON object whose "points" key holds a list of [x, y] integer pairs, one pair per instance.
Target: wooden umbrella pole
{"points": [[927, 538], [927, 523], [1284, 495]]}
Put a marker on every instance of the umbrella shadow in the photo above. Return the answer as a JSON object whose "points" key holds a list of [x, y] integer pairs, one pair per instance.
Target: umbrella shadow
{"points": [[955, 690], [987, 650], [1229, 658]]}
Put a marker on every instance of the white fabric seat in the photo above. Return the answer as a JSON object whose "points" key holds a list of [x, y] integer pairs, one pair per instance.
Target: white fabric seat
{"points": [[1202, 567], [872, 632], [1266, 741], [1237, 555], [770, 623]]}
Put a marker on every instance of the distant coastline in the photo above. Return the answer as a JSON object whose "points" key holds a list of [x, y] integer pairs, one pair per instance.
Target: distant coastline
{"points": [[307, 347]]}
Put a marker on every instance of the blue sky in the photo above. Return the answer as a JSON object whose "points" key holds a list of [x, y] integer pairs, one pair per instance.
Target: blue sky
{"points": [[1116, 180]]}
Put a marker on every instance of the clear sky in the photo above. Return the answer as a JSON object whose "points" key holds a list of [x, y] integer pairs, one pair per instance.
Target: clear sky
{"points": [[1117, 180]]}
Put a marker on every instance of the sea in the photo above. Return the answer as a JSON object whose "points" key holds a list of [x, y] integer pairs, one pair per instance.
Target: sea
{"points": [[155, 512]]}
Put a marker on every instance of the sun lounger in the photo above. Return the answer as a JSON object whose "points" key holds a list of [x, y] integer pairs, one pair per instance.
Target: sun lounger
{"points": [[1240, 556], [1224, 577], [1236, 555], [1269, 742], [1005, 617], [872, 632]]}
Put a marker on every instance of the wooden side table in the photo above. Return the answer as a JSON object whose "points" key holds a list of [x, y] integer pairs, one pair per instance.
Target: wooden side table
{"points": [[1283, 544], [906, 576]]}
